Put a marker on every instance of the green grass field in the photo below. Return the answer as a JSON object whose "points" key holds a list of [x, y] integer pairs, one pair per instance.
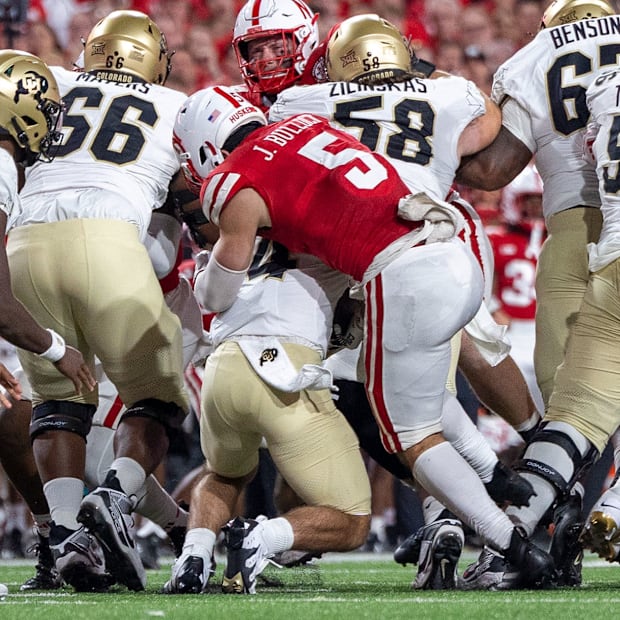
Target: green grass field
{"points": [[338, 587]]}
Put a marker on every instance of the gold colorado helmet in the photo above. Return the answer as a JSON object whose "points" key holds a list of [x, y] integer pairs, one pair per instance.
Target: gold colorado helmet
{"points": [[566, 11], [368, 49], [30, 104], [128, 42]]}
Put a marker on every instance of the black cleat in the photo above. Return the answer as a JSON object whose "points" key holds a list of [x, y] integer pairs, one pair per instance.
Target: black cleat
{"points": [[436, 548], [566, 549], [535, 566], [79, 559], [106, 513], [46, 576], [190, 575]]}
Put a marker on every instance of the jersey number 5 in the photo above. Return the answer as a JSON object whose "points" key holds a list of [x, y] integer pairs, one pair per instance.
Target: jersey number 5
{"points": [[327, 150]]}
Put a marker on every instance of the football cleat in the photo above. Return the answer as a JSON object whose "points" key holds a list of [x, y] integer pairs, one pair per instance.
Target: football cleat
{"points": [[46, 576], [507, 486], [601, 533], [106, 513], [486, 573], [79, 559], [523, 565], [535, 566], [246, 555], [190, 575], [293, 558], [436, 548], [566, 548]]}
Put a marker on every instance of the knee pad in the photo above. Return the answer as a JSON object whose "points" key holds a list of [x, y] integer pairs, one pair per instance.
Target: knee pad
{"points": [[169, 415], [61, 415], [564, 462]]}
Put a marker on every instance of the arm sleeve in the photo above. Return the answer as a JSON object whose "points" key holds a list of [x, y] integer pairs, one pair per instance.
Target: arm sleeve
{"points": [[216, 287], [517, 120]]}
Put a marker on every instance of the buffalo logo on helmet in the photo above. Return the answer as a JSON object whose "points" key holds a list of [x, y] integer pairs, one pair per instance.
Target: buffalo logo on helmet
{"points": [[32, 83]]}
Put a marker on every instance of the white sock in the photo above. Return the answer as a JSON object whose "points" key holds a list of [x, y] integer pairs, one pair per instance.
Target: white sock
{"points": [[199, 541], [443, 472], [467, 440], [130, 474], [158, 506], [64, 496], [278, 535], [431, 509]]}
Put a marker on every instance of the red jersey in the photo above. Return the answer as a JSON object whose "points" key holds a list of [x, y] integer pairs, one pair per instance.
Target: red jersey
{"points": [[327, 194], [516, 256]]}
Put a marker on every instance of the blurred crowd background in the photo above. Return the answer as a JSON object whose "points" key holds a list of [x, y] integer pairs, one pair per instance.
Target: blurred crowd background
{"points": [[467, 37]]}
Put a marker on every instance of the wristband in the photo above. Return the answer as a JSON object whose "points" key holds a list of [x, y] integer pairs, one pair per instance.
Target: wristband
{"points": [[56, 350]]}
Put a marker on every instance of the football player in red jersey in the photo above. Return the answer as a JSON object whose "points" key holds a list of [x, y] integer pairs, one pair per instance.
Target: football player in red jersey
{"points": [[356, 215]]}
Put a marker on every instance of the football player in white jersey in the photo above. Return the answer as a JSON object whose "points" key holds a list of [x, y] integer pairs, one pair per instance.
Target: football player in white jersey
{"points": [[424, 127], [590, 367], [28, 132], [152, 501], [29, 115], [90, 211], [541, 89]]}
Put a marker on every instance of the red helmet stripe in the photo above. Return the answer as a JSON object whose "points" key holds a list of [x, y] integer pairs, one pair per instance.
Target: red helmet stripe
{"points": [[255, 12], [303, 8], [223, 93]]}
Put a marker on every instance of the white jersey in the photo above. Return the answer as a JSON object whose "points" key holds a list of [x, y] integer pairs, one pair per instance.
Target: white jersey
{"points": [[9, 198], [291, 297], [548, 79], [603, 103], [106, 152], [415, 124]]}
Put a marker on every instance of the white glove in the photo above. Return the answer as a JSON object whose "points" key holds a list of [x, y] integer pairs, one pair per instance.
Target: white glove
{"points": [[446, 221]]}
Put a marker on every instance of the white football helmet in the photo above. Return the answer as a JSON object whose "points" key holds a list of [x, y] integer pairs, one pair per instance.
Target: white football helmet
{"points": [[293, 22], [203, 125], [514, 204]]}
